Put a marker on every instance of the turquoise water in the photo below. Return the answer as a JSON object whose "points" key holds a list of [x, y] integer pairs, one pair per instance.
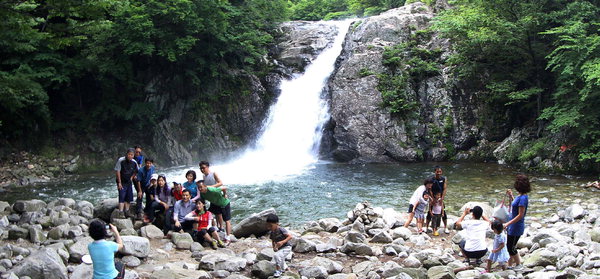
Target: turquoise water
{"points": [[331, 189]]}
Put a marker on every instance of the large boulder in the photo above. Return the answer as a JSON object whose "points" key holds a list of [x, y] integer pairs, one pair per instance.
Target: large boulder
{"points": [[83, 271], [317, 272], [79, 249], [105, 208], [254, 224], [303, 245], [136, 246], [15, 233], [487, 209], [151, 232], [358, 248], [43, 264], [330, 266], [573, 212], [182, 240], [382, 237], [263, 269], [28, 206], [222, 261], [541, 257], [441, 272], [330, 224]]}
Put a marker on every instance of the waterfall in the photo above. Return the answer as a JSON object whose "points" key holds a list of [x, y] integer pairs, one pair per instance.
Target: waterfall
{"points": [[289, 140]]}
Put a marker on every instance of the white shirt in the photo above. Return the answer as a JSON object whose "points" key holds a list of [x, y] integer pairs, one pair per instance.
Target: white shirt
{"points": [[474, 234], [417, 195]]}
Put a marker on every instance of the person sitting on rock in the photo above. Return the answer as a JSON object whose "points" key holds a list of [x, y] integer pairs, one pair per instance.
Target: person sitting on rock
{"points": [[103, 252], [150, 192], [203, 229], [414, 199], [191, 185], [126, 169], [219, 204], [280, 238], [183, 208], [473, 245], [177, 191], [161, 198]]}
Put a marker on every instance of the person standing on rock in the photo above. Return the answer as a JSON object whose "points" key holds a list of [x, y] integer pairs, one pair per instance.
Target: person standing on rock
{"points": [[281, 243], [143, 180], [440, 185], [126, 169], [414, 199], [516, 225], [183, 208], [211, 179], [139, 157], [220, 205], [103, 252]]}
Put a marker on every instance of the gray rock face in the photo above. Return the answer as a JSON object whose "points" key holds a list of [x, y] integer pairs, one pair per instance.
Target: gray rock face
{"points": [[44, 263], [254, 224], [303, 41], [136, 246]]}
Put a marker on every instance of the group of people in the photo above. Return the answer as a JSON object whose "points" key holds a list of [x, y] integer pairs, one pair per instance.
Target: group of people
{"points": [[427, 205]]}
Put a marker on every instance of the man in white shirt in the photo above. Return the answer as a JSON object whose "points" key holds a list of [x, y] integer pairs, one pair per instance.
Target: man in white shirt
{"points": [[414, 199], [473, 245]]}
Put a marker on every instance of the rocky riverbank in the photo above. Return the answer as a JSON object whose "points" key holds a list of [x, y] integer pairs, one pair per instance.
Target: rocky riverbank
{"points": [[25, 168], [48, 240]]}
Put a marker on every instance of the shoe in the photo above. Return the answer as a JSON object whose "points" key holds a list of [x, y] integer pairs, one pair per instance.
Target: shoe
{"points": [[447, 231], [436, 233], [220, 244], [478, 262], [518, 267], [213, 244], [429, 230], [278, 273], [128, 214]]}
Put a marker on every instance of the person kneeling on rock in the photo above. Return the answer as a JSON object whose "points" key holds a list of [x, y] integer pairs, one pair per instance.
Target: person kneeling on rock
{"points": [[203, 229], [103, 252], [281, 245], [473, 246]]}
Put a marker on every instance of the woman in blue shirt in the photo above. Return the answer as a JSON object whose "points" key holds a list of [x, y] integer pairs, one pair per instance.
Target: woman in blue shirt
{"points": [[103, 252], [191, 186], [516, 225]]}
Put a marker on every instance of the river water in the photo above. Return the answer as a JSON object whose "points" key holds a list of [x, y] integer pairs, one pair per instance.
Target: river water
{"points": [[332, 189]]}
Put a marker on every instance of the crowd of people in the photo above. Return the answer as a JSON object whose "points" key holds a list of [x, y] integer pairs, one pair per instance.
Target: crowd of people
{"points": [[426, 205], [182, 208]]}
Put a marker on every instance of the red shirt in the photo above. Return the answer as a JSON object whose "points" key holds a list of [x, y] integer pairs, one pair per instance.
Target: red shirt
{"points": [[178, 195]]}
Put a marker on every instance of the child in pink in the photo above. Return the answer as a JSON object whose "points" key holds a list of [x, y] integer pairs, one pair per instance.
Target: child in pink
{"points": [[436, 209]]}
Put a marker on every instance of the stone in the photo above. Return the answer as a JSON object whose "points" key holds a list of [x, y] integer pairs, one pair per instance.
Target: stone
{"points": [[382, 237], [255, 224], [440, 272], [136, 246], [263, 269], [390, 269], [68, 202], [540, 257], [594, 235], [123, 224], [412, 262], [355, 237], [401, 232], [303, 245], [83, 271], [468, 274], [330, 266], [316, 272], [358, 248], [4, 207], [221, 261], [303, 41], [345, 276], [15, 233], [28, 206], [105, 208], [129, 232], [330, 224], [36, 234], [196, 246], [74, 232], [392, 218], [152, 232], [44, 263], [182, 240], [575, 211], [131, 261], [265, 254], [79, 249], [58, 232], [325, 248]]}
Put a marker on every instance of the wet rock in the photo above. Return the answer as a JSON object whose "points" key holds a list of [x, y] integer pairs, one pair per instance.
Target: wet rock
{"points": [[304, 40], [255, 224], [440, 272], [136, 246], [263, 269], [44, 263], [151, 232], [317, 272], [182, 240], [28, 206]]}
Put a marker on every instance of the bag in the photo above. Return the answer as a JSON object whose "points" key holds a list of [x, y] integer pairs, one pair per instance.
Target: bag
{"points": [[501, 212]]}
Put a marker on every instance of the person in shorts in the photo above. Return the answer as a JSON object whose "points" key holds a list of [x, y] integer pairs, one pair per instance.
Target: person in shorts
{"points": [[126, 169], [219, 204], [414, 199]]}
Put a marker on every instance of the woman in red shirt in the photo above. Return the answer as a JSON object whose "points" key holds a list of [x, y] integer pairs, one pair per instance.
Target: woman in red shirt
{"points": [[203, 229]]}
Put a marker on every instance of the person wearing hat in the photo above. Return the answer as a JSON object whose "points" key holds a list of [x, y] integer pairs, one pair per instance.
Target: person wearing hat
{"points": [[150, 192], [473, 245]]}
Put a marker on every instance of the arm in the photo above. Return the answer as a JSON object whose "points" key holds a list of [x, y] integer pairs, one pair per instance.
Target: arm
{"points": [[176, 214], [119, 185], [219, 182], [499, 248], [283, 242], [117, 236], [224, 190], [194, 199], [445, 188], [191, 216], [517, 218], [457, 223]]}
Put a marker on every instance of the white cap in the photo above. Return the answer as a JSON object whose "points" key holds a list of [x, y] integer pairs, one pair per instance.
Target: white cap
{"points": [[154, 176]]}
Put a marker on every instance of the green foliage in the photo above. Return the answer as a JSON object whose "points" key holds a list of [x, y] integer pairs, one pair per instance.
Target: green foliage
{"points": [[533, 151], [339, 9]]}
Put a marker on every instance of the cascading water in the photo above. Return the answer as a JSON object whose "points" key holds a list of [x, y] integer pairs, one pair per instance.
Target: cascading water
{"points": [[290, 137]]}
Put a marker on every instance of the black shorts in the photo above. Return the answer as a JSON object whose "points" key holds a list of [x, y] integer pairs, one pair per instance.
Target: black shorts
{"points": [[126, 194], [218, 210], [411, 207], [199, 234], [472, 254]]}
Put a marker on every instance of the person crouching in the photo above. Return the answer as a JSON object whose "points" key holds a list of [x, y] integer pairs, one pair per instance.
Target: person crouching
{"points": [[281, 243]]}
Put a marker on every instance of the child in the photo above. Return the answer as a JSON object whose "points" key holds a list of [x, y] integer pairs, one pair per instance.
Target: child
{"points": [[281, 245], [177, 191], [203, 228], [420, 211], [499, 252], [436, 209]]}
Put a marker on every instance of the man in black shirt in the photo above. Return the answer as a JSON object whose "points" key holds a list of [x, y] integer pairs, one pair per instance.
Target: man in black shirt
{"points": [[440, 185]]}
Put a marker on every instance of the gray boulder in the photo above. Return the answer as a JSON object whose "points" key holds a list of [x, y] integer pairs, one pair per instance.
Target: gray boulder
{"points": [[382, 237], [330, 224], [254, 224], [401, 232], [123, 224], [136, 246], [182, 240], [152, 232], [412, 262], [36, 234], [28, 206], [303, 245], [83, 271], [325, 248], [43, 264], [302, 42], [265, 254], [573, 212], [105, 208], [541, 257], [15, 233], [79, 249], [263, 269], [358, 248], [317, 272], [355, 237], [131, 261], [441, 272]]}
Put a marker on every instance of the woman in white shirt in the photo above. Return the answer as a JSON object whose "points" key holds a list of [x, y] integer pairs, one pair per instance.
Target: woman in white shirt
{"points": [[473, 245]]}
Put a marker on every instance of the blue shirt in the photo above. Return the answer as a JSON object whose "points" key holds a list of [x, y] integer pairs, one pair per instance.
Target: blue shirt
{"points": [[192, 187], [518, 228], [144, 175], [102, 253], [139, 159]]}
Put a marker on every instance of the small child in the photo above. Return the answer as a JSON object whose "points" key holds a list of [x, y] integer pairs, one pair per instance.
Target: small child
{"points": [[281, 245], [177, 191], [499, 252], [436, 209], [203, 229], [420, 211]]}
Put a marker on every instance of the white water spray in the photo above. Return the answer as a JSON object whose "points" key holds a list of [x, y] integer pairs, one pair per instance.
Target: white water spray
{"points": [[289, 142]]}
